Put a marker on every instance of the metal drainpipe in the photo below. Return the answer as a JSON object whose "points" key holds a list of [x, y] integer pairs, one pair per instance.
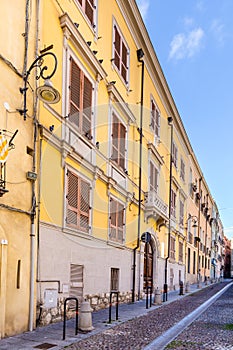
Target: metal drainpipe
{"points": [[169, 214], [198, 243], [33, 199], [140, 54]]}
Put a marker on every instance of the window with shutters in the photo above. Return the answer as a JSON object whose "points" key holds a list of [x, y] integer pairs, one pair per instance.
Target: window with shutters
{"points": [[117, 214], [154, 174], [80, 100], [89, 8], [180, 252], [182, 169], [118, 142], [181, 212], [114, 279], [120, 54], [194, 263], [76, 283], [78, 202], [189, 259], [173, 203], [174, 154], [172, 248], [155, 118]]}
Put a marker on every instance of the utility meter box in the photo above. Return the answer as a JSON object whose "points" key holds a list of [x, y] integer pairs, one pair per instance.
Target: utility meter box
{"points": [[50, 298]]}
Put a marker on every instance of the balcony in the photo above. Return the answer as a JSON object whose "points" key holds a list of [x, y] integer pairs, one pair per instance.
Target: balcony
{"points": [[155, 206]]}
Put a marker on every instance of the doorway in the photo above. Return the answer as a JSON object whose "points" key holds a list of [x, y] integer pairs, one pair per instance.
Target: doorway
{"points": [[148, 266]]}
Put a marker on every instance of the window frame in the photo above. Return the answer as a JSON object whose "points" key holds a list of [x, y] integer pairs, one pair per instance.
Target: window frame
{"points": [[172, 248], [173, 203], [155, 117], [115, 219], [153, 186], [174, 154], [117, 54], [78, 210], [181, 212], [82, 116], [116, 142], [181, 252], [114, 279], [182, 169], [83, 7]]}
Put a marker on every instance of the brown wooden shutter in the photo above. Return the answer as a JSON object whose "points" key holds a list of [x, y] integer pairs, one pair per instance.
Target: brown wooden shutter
{"points": [[122, 146], [72, 199], [124, 62], [84, 205], [151, 177], [89, 10], [120, 223], [115, 139], [114, 279], [117, 51], [75, 93], [157, 121], [152, 115], [116, 221], [113, 219], [87, 106]]}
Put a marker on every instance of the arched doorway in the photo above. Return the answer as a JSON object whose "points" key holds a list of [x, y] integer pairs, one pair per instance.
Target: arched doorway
{"points": [[148, 266]]}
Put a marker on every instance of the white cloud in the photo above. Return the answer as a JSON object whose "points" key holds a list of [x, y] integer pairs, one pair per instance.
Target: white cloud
{"points": [[188, 21], [143, 6], [200, 6], [186, 45], [217, 28]]}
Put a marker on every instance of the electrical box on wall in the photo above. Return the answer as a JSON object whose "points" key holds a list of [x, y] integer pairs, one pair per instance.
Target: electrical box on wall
{"points": [[50, 298]]}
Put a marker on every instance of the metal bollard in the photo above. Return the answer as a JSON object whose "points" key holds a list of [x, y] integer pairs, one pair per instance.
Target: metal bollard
{"points": [[181, 288]]}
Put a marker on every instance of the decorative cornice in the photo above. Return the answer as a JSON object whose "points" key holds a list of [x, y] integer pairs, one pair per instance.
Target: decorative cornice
{"points": [[71, 32], [116, 97], [155, 152]]}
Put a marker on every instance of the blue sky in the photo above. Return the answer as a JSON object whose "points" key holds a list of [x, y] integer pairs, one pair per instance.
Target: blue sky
{"points": [[193, 40]]}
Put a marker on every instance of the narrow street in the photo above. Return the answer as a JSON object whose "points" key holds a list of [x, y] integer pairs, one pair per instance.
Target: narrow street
{"points": [[212, 330], [139, 332]]}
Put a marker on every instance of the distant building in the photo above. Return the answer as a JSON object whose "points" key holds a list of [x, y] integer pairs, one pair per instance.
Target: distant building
{"points": [[227, 257]]}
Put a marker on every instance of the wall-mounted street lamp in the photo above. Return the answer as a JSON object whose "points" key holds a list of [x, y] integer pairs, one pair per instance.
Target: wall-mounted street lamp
{"points": [[45, 93], [193, 219]]}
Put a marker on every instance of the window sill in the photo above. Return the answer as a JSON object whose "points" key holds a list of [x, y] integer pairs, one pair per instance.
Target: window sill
{"points": [[116, 244], [77, 232]]}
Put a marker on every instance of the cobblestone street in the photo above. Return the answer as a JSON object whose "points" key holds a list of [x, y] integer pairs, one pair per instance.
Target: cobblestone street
{"points": [[213, 330], [138, 332]]}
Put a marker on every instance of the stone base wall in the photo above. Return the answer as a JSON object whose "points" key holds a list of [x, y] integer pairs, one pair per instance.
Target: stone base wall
{"points": [[46, 316]]}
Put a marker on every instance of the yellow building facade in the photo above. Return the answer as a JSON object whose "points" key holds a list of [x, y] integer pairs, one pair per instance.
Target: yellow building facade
{"points": [[109, 203]]}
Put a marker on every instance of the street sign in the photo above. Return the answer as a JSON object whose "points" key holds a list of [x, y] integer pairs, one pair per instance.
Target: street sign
{"points": [[146, 237]]}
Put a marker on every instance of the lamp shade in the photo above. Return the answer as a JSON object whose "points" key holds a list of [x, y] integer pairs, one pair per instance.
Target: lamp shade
{"points": [[47, 93]]}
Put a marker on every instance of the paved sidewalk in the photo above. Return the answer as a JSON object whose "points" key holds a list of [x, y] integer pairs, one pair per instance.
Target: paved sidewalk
{"points": [[50, 337]]}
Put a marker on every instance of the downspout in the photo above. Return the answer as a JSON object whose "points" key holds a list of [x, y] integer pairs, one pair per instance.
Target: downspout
{"points": [[165, 289], [33, 200], [140, 55]]}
